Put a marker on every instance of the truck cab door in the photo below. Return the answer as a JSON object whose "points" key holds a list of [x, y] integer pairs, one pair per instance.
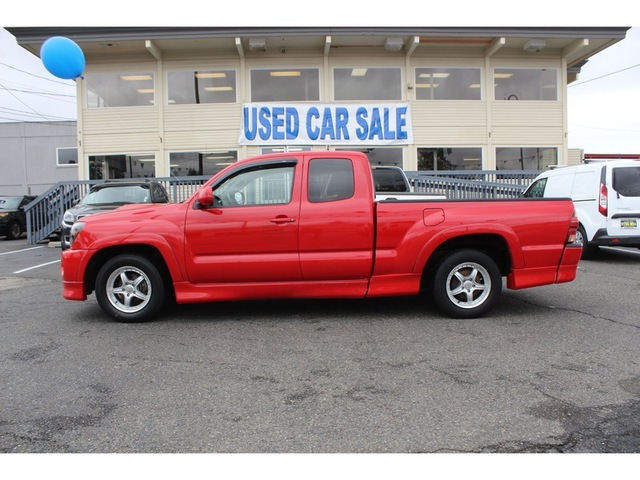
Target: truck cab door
{"points": [[336, 221], [250, 232]]}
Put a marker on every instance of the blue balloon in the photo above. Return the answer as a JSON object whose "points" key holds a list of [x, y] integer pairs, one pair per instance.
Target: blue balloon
{"points": [[62, 57]]}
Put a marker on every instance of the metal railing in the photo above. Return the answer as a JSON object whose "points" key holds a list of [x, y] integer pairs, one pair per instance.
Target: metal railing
{"points": [[481, 184], [44, 214]]}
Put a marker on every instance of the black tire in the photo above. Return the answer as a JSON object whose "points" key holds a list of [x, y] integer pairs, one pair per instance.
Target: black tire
{"points": [[467, 284], [588, 251], [129, 288], [14, 230]]}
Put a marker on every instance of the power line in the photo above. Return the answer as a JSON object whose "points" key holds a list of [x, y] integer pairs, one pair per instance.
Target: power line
{"points": [[29, 107], [55, 123], [37, 76], [13, 111], [23, 87], [41, 94], [602, 76]]}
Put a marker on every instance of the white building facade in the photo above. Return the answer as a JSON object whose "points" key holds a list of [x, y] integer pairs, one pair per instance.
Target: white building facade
{"points": [[189, 101]]}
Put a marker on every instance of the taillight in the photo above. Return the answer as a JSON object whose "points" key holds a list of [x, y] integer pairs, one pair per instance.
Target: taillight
{"points": [[573, 228], [602, 200]]}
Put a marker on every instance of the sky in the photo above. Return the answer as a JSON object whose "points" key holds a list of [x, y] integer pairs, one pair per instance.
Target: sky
{"points": [[603, 104]]}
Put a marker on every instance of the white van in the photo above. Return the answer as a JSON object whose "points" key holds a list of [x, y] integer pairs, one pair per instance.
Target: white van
{"points": [[607, 200]]}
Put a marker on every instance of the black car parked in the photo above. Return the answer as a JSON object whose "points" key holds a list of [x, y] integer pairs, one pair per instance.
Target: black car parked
{"points": [[109, 196], [13, 221]]}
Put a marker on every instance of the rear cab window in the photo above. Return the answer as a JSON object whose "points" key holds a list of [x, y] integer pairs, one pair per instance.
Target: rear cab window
{"points": [[330, 180]]}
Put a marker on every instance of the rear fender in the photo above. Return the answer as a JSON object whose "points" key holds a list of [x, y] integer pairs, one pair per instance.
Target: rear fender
{"points": [[460, 232]]}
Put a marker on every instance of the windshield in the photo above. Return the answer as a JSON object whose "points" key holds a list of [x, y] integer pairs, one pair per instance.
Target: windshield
{"points": [[118, 195], [626, 181], [10, 203]]}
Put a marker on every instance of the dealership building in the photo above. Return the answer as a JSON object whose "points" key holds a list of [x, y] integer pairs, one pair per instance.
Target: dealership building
{"points": [[188, 101]]}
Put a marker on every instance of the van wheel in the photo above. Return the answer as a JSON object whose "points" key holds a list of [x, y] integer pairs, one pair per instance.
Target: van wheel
{"points": [[588, 251], [467, 284], [129, 288]]}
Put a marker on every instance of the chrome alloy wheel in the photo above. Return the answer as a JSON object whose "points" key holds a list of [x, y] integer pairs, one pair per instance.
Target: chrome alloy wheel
{"points": [[128, 289], [468, 285]]}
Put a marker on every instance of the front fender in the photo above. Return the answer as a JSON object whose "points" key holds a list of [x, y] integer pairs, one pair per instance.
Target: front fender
{"points": [[159, 242]]}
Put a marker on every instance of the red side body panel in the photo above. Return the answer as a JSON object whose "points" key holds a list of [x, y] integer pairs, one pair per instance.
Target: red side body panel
{"points": [[350, 248]]}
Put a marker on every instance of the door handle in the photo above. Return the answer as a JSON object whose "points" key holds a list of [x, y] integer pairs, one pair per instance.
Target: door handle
{"points": [[282, 220]]}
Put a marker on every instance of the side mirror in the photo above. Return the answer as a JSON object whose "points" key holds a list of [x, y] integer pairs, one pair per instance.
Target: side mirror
{"points": [[205, 197]]}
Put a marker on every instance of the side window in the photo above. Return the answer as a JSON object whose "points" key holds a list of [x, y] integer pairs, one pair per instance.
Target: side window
{"points": [[536, 190], [330, 180], [264, 185]]}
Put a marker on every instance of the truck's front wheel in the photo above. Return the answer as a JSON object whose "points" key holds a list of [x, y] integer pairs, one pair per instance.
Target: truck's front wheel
{"points": [[129, 288], [467, 284]]}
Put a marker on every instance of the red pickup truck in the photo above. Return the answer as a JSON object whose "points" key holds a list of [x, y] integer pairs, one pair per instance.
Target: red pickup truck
{"points": [[307, 225]]}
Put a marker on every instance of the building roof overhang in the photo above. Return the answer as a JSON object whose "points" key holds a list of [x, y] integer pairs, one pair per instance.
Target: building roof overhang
{"points": [[575, 44]]}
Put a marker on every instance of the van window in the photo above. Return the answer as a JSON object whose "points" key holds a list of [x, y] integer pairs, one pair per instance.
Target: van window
{"points": [[626, 181], [536, 190]]}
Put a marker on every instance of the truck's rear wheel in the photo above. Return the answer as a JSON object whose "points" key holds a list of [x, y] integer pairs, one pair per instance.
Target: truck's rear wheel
{"points": [[467, 284], [129, 288]]}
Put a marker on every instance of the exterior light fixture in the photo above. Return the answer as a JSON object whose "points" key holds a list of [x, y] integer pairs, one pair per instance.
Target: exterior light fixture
{"points": [[258, 44], [534, 45], [393, 44]]}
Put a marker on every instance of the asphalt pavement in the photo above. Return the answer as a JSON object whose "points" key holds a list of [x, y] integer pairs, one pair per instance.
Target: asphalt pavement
{"points": [[552, 369]]}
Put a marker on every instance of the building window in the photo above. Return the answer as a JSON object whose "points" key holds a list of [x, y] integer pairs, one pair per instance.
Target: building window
{"points": [[285, 85], [203, 86], [367, 84], [379, 155], [105, 167], [448, 84], [525, 158], [66, 156], [188, 164], [526, 83], [450, 158], [120, 89], [281, 149]]}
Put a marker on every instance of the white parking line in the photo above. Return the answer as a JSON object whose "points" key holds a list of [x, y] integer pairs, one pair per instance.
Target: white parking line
{"points": [[23, 250], [37, 266]]}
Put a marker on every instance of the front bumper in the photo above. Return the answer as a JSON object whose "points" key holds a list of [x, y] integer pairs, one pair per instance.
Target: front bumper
{"points": [[72, 267]]}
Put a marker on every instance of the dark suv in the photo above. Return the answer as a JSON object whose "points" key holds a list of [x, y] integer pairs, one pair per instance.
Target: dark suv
{"points": [[109, 196], [13, 221]]}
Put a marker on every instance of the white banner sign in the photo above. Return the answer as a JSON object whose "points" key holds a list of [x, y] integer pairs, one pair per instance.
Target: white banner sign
{"points": [[327, 124]]}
